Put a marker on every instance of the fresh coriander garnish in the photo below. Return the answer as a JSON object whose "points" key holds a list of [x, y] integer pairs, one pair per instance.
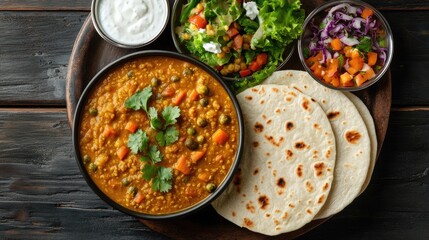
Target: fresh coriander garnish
{"points": [[138, 142], [161, 176], [139, 100], [155, 122], [170, 115], [167, 137], [365, 45], [162, 181]]}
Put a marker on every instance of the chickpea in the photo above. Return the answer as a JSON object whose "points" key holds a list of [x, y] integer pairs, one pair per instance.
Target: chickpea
{"points": [[224, 71], [221, 55], [237, 60], [231, 67], [246, 46], [237, 67], [226, 38], [226, 49]]}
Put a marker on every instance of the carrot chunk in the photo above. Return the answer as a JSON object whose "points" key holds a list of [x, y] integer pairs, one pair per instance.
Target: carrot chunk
{"points": [[109, 131], [197, 155], [336, 44], [131, 126], [138, 198], [204, 176], [168, 92], [182, 165], [179, 97], [220, 137], [372, 58], [122, 152], [366, 12], [194, 95]]}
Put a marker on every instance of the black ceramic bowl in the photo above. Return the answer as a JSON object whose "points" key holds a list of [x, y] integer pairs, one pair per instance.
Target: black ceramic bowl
{"points": [[77, 122], [175, 22]]}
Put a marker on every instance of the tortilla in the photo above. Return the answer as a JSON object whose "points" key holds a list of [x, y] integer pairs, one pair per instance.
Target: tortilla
{"points": [[286, 171], [352, 139], [369, 122]]}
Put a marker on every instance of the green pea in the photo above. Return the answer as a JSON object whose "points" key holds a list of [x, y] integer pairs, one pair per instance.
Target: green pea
{"points": [[191, 144], [191, 131], [132, 190], [130, 74], [125, 181], [210, 187], [175, 78], [224, 119], [201, 122], [93, 167], [188, 71], [204, 102], [202, 90], [93, 111], [154, 82], [86, 159]]}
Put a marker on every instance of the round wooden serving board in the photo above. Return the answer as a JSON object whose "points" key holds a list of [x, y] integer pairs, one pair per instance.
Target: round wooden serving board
{"points": [[91, 53]]}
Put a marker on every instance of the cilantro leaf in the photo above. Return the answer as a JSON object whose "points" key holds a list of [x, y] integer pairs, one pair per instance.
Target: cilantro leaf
{"points": [[168, 137], [365, 45], [163, 181], [149, 172], [154, 154], [139, 100], [155, 122], [138, 142], [170, 115]]}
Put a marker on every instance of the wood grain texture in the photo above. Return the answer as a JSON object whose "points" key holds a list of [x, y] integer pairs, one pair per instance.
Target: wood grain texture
{"points": [[44, 196], [34, 53]]}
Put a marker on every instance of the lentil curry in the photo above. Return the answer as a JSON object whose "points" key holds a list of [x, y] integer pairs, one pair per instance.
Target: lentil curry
{"points": [[158, 135]]}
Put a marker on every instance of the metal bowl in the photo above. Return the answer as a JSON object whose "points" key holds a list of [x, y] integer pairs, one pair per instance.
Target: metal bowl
{"points": [[175, 22], [103, 33], [100, 76], [318, 14]]}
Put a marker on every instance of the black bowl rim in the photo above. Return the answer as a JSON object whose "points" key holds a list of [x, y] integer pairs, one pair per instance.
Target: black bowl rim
{"points": [[107, 38], [389, 37], [290, 48], [76, 125]]}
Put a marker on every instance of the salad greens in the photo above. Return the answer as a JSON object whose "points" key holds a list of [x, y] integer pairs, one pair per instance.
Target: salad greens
{"points": [[222, 34]]}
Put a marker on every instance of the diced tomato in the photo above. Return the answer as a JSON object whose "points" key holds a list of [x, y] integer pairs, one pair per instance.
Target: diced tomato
{"points": [[198, 21], [245, 72], [238, 42], [254, 66], [232, 32], [262, 59]]}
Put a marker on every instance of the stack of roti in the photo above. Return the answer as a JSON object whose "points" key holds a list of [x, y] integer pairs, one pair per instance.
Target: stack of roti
{"points": [[309, 152]]}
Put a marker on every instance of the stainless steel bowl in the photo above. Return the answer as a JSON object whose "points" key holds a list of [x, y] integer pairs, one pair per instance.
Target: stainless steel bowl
{"points": [[318, 14], [96, 21]]}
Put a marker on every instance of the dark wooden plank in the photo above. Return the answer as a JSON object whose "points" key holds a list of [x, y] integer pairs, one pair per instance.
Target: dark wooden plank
{"points": [[34, 53], [43, 195], [85, 5], [46, 5]]}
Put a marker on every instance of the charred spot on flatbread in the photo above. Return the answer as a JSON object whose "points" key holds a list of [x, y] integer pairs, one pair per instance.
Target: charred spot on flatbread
{"points": [[276, 90], [278, 111], [300, 145], [285, 215], [237, 179], [299, 90], [234, 214], [325, 187], [289, 126], [309, 211], [309, 187], [273, 141], [319, 168], [258, 127], [305, 104], [250, 207], [291, 205], [333, 115], [353, 136], [256, 171], [321, 199], [264, 201], [248, 223], [281, 183], [299, 170], [289, 154], [255, 144], [269, 121], [249, 98]]}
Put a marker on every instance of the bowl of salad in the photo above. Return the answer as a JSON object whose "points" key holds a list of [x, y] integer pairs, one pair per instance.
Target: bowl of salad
{"points": [[245, 41], [346, 45]]}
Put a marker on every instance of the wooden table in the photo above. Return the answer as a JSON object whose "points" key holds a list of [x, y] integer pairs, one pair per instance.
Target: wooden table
{"points": [[44, 196]]}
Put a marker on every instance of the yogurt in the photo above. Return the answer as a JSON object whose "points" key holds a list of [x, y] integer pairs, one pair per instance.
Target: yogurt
{"points": [[132, 22]]}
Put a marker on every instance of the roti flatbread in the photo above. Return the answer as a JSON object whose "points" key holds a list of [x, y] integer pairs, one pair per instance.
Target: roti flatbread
{"points": [[369, 122], [352, 139], [286, 171]]}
